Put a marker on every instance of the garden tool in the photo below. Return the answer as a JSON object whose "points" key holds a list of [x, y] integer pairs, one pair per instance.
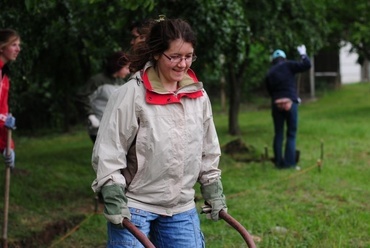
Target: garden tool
{"points": [[237, 226], [223, 215], [7, 187], [137, 233]]}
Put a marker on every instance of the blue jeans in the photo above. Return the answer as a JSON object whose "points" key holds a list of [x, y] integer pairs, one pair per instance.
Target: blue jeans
{"points": [[177, 231], [291, 119]]}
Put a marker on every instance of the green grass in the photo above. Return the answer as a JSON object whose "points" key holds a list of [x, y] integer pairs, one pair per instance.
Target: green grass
{"points": [[282, 208]]}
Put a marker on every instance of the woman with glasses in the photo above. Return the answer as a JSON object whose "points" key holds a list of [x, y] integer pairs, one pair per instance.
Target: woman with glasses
{"points": [[157, 139]]}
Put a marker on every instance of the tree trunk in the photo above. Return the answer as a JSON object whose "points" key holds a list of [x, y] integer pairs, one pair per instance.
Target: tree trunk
{"points": [[223, 93], [234, 99], [235, 81]]}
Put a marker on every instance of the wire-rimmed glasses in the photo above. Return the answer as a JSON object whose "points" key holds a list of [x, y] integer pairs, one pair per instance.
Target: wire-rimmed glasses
{"points": [[177, 58]]}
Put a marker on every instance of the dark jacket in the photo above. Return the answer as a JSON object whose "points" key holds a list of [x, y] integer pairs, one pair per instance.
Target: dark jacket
{"points": [[280, 79]]}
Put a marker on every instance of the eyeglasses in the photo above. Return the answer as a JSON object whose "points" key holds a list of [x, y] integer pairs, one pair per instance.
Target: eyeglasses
{"points": [[175, 59]]}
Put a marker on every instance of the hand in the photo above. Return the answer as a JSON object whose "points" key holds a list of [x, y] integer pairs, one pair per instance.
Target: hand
{"points": [[9, 159], [214, 200], [207, 209], [93, 121], [212, 208], [115, 204], [10, 122], [302, 50], [284, 103]]}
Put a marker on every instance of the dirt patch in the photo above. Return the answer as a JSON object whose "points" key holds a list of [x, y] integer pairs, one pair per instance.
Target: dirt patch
{"points": [[20, 172], [48, 235], [242, 152]]}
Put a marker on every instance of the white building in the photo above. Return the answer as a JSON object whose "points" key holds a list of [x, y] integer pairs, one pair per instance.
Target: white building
{"points": [[350, 70]]}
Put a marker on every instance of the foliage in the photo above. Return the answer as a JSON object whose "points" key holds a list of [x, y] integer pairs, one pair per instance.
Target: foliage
{"points": [[286, 24], [244, 33], [283, 208], [65, 42], [349, 23]]}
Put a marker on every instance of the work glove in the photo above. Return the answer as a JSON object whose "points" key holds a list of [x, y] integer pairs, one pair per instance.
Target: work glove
{"points": [[10, 122], [115, 204], [214, 200], [302, 50], [93, 121], [9, 160]]}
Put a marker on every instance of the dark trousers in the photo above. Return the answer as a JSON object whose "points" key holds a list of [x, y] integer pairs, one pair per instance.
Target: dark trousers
{"points": [[280, 118]]}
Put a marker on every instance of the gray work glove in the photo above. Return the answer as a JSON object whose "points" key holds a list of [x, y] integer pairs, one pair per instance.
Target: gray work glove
{"points": [[115, 204], [10, 122], [302, 50], [9, 159], [214, 199]]}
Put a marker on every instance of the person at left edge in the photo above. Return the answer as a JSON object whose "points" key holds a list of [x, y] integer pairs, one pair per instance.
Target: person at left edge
{"points": [[9, 49]]}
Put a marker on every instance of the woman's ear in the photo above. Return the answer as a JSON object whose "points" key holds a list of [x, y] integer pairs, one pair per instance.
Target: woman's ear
{"points": [[156, 57]]}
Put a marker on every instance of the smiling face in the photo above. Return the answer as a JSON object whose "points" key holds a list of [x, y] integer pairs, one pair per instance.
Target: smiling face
{"points": [[172, 72], [10, 51]]}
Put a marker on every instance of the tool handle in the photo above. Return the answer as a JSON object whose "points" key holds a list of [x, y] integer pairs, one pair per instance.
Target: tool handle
{"points": [[8, 142], [236, 225], [137, 233], [6, 192], [223, 215]]}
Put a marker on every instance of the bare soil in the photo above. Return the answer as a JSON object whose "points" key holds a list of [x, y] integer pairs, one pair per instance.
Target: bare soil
{"points": [[48, 235]]}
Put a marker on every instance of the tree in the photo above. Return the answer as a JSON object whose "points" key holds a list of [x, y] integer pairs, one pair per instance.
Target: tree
{"points": [[349, 22], [64, 43], [235, 28]]}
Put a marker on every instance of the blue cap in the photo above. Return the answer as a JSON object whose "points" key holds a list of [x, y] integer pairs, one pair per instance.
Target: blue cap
{"points": [[278, 53]]}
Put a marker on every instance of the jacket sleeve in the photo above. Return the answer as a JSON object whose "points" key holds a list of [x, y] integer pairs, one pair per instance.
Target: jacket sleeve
{"points": [[116, 133], [301, 66], [211, 148]]}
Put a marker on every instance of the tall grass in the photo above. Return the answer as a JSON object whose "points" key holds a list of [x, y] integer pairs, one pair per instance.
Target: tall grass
{"points": [[280, 208]]}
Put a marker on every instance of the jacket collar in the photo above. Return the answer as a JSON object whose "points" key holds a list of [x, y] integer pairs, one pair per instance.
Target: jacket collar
{"points": [[189, 87]]}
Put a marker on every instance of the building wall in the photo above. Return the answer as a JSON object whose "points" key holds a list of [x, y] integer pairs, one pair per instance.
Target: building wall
{"points": [[350, 70]]}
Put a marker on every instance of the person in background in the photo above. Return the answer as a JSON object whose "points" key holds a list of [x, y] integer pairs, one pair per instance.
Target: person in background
{"points": [[139, 30], [94, 95], [282, 87], [156, 141], [10, 46]]}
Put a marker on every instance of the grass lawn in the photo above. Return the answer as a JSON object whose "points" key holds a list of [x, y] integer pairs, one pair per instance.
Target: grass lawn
{"points": [[51, 202]]}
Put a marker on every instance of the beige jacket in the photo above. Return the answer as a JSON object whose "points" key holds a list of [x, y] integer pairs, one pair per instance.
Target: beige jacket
{"points": [[157, 144]]}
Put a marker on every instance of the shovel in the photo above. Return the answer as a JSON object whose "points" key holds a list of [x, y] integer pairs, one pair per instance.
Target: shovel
{"points": [[223, 215], [7, 187], [137, 233], [237, 226]]}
